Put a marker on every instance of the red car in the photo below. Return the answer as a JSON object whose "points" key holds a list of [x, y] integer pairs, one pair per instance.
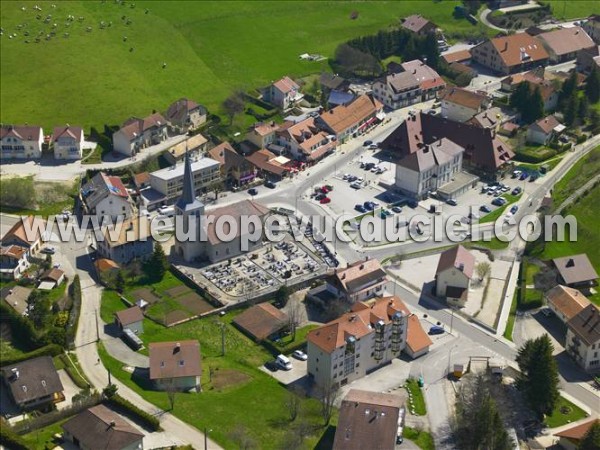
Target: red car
{"points": [[325, 200]]}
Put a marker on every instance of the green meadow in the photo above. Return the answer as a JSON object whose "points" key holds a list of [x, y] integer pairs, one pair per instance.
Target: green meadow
{"points": [[211, 48]]}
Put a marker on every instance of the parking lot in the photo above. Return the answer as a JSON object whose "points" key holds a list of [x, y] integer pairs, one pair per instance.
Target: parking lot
{"points": [[286, 377]]}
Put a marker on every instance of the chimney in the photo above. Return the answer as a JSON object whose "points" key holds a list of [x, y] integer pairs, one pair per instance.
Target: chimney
{"points": [[177, 348], [570, 263], [461, 267], [426, 148], [505, 46], [15, 372], [112, 424], [362, 266]]}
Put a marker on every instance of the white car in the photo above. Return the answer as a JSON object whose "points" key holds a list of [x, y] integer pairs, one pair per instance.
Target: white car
{"points": [[360, 179], [299, 354]]}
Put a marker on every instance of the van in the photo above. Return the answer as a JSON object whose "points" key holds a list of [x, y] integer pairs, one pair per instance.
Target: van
{"points": [[284, 362]]}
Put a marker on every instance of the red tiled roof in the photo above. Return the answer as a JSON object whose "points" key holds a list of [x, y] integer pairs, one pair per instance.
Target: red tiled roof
{"points": [[577, 431], [457, 257], [464, 97], [72, 132], [416, 338], [286, 84], [342, 117], [519, 48], [459, 56]]}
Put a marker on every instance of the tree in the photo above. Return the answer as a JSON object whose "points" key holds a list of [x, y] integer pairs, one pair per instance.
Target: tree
{"points": [[328, 395], [110, 390], [292, 404], [171, 391], [539, 375], [120, 282], [242, 438], [583, 109], [520, 96], [595, 120], [591, 440], [352, 61], [477, 422], [431, 51], [40, 311], [568, 88], [233, 105], [294, 318], [157, 266], [282, 296], [18, 192], [592, 85], [535, 106], [571, 109], [483, 269]]}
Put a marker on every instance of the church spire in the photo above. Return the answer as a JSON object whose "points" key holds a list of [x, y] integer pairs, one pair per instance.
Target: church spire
{"points": [[188, 195]]}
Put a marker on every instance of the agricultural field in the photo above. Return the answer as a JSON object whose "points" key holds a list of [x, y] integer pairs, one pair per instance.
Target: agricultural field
{"points": [[115, 70]]}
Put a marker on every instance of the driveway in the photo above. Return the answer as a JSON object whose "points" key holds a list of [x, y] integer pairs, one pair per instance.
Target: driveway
{"points": [[287, 377], [70, 389]]}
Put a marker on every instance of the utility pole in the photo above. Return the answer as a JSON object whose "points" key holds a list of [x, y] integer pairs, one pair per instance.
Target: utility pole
{"points": [[206, 431]]}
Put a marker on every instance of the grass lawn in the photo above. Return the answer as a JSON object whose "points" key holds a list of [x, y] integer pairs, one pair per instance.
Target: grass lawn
{"points": [[497, 213], [493, 244], [421, 438], [564, 413], [210, 48], [418, 401], [577, 176], [564, 9], [551, 163], [43, 438], [229, 403], [539, 153], [48, 198], [531, 270], [9, 351], [510, 323], [288, 345]]}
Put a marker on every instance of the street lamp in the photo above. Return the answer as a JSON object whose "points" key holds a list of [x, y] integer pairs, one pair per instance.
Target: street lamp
{"points": [[206, 431]]}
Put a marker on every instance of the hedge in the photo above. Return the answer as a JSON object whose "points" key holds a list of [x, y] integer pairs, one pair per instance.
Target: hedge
{"points": [[75, 294], [126, 407], [72, 372], [48, 350], [9, 439]]}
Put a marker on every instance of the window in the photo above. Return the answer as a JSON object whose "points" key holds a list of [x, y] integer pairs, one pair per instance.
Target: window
{"points": [[162, 364], [181, 363]]}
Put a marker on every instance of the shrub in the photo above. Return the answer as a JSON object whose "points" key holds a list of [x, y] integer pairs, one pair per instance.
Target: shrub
{"points": [[9, 439], [75, 296], [128, 408], [48, 350]]}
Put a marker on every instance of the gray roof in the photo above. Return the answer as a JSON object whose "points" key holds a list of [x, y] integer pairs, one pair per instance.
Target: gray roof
{"points": [[438, 153], [32, 379], [100, 187], [575, 268], [402, 81], [586, 324], [102, 429]]}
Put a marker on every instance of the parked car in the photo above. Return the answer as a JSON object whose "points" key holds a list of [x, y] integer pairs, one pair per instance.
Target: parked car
{"points": [[352, 178], [369, 166], [452, 202], [356, 185], [504, 188], [563, 139], [362, 165], [325, 200], [320, 196], [412, 204], [252, 191], [516, 173], [373, 146], [547, 312], [270, 184], [272, 366], [346, 176], [284, 362], [523, 176], [485, 209], [514, 209], [499, 201], [299, 354], [516, 191], [473, 215], [397, 209], [360, 208], [436, 330], [533, 177], [369, 206], [48, 250], [367, 143]]}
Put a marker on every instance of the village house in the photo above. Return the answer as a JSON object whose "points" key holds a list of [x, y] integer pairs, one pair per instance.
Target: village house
{"points": [[592, 27], [333, 82], [52, 278], [369, 420], [185, 115], [168, 182], [268, 165], [16, 297], [284, 93], [544, 130], [18, 236], [194, 145], [21, 141], [101, 428], [33, 383], [133, 242], [141, 180], [136, 134], [13, 262], [175, 365], [67, 142], [235, 169], [563, 44], [417, 340], [206, 245], [305, 141], [263, 134], [583, 338], [130, 319], [484, 151], [430, 82], [262, 322], [461, 56], [429, 168], [570, 437], [351, 120], [453, 275], [361, 280], [419, 25], [105, 196], [565, 302], [461, 105], [536, 79], [369, 336], [510, 54], [490, 118], [587, 59], [576, 271]]}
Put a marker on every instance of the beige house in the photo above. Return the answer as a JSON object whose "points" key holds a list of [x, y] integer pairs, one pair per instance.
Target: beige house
{"points": [[169, 181], [67, 142], [105, 196], [184, 115], [563, 44], [583, 338], [461, 105], [14, 262], [263, 134], [284, 93], [194, 145], [360, 281], [176, 365], [510, 54], [565, 302], [543, 130], [352, 119], [21, 141], [453, 275], [136, 134], [305, 141], [19, 236]]}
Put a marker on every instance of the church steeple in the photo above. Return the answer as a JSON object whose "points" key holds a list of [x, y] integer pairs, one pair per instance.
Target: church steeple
{"points": [[188, 200]]}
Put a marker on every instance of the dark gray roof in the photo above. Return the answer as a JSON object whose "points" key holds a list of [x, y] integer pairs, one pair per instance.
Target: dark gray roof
{"points": [[586, 324], [102, 429], [331, 81], [340, 98], [32, 379], [575, 268]]}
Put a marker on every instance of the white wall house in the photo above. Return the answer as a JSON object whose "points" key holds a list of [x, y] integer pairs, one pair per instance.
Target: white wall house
{"points": [[583, 338], [429, 168], [67, 142], [397, 90], [185, 114], [169, 181], [136, 134], [542, 131], [106, 197], [453, 274], [283, 93], [461, 105], [21, 142]]}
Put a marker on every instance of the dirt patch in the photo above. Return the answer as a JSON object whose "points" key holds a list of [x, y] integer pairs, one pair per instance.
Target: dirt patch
{"points": [[175, 316], [145, 294], [224, 378], [194, 303], [177, 290]]}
